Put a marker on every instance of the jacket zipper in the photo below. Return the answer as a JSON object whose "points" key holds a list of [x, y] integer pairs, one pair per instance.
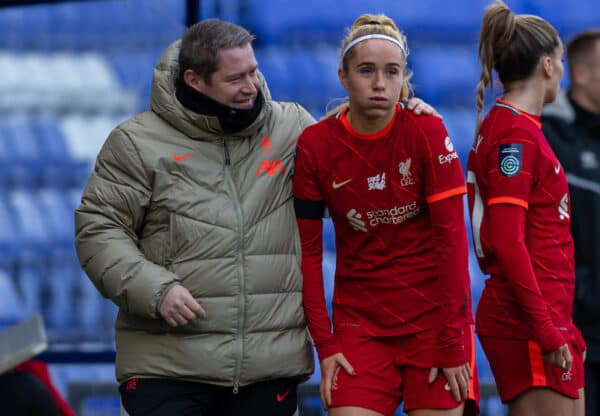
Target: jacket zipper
{"points": [[169, 256], [242, 298]]}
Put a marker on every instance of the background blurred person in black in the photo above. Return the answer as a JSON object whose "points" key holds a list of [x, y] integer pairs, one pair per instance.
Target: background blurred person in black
{"points": [[572, 126]]}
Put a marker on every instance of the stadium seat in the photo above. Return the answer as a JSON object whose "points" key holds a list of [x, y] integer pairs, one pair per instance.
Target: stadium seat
{"points": [[60, 300], [11, 308], [58, 216], [460, 123], [277, 22], [329, 260], [92, 25], [567, 17], [32, 231], [8, 236], [445, 75], [328, 235], [24, 158], [33, 240], [101, 405]]}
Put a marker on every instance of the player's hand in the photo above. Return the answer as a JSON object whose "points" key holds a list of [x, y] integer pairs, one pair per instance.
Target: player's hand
{"points": [[418, 106], [329, 369], [457, 380], [561, 357], [179, 307]]}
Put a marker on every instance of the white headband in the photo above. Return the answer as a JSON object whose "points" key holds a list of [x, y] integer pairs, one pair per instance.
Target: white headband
{"points": [[373, 36]]}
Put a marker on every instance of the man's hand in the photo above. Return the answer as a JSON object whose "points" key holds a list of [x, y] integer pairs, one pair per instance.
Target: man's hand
{"points": [[418, 106], [458, 380], [179, 307]]}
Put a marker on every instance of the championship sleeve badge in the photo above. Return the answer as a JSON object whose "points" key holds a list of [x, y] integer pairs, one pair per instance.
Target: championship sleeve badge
{"points": [[509, 159]]}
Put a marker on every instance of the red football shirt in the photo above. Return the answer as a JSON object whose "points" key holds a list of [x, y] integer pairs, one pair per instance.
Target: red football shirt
{"points": [[512, 163], [396, 273]]}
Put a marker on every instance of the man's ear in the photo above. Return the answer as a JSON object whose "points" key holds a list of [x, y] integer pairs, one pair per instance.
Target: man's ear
{"points": [[191, 78]]}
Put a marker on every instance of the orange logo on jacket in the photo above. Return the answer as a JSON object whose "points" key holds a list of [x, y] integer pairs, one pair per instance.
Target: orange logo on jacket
{"points": [[270, 168], [266, 145]]}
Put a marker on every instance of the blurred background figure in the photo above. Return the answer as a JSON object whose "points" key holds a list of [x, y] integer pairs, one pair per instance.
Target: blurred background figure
{"points": [[572, 126]]}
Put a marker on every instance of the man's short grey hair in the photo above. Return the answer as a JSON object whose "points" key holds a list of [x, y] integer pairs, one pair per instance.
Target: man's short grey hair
{"points": [[202, 42]]}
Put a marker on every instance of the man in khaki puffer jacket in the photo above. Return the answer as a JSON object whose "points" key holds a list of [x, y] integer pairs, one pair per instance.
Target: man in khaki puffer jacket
{"points": [[187, 224]]}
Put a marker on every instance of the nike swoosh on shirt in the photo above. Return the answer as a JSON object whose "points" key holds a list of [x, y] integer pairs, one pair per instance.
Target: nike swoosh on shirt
{"points": [[337, 185], [557, 169]]}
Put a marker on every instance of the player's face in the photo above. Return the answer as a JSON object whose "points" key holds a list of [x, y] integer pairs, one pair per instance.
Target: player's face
{"points": [[556, 75], [235, 83], [373, 78]]}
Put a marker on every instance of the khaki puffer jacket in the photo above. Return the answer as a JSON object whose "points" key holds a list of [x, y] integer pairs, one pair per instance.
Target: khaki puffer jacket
{"points": [[174, 200]]}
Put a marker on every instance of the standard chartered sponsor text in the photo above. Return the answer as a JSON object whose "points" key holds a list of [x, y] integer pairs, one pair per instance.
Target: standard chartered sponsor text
{"points": [[395, 215]]}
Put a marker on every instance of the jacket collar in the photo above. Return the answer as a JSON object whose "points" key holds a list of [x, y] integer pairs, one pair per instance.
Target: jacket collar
{"points": [[231, 119], [164, 103]]}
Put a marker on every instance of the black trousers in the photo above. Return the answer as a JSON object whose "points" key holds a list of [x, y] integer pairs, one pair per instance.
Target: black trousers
{"points": [[162, 397], [592, 388]]}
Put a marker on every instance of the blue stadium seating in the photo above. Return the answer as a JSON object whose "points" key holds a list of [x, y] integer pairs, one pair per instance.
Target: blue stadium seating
{"points": [[33, 235], [329, 259], [22, 154], [445, 75], [460, 123], [568, 17], [328, 235], [313, 21], [110, 24], [11, 308], [134, 70], [8, 236], [101, 406]]}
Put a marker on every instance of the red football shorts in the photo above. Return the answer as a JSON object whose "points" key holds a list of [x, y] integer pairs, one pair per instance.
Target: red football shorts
{"points": [[518, 366], [386, 375]]}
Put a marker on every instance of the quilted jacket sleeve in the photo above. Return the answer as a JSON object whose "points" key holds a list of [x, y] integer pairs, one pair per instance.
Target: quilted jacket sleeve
{"points": [[107, 225]]}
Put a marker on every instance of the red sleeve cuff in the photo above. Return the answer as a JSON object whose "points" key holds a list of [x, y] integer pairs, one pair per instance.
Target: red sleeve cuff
{"points": [[450, 349], [551, 341], [327, 349]]}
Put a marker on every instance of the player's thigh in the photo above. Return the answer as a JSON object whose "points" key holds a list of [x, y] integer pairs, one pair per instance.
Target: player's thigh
{"points": [[580, 403], [353, 411], [457, 411], [542, 402]]}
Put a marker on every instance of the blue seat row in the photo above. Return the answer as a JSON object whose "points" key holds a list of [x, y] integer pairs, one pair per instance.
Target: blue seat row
{"points": [[105, 25], [38, 251], [441, 76], [289, 22], [314, 21], [34, 153]]}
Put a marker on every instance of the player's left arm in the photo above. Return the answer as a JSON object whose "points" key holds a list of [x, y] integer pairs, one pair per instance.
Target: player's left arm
{"points": [[444, 190]]}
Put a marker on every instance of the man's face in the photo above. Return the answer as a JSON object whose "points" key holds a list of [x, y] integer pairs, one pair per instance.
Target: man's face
{"points": [[235, 83], [587, 80]]}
